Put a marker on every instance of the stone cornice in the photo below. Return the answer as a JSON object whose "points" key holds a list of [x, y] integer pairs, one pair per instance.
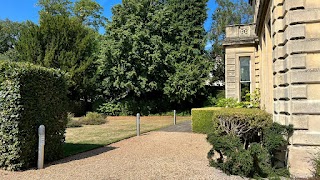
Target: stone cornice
{"points": [[240, 41]]}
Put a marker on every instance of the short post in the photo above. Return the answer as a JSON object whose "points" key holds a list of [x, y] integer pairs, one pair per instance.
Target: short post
{"points": [[138, 124], [41, 133], [174, 117]]}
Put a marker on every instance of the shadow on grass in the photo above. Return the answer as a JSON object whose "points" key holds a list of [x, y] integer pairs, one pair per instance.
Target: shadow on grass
{"points": [[73, 149], [81, 151]]}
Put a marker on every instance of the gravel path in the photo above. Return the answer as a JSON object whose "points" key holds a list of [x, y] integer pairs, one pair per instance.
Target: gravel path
{"points": [[154, 155]]}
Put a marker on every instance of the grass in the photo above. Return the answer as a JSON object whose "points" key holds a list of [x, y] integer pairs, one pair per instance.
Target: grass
{"points": [[117, 128]]}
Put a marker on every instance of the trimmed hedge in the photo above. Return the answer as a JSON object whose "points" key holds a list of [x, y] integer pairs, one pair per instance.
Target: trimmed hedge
{"points": [[204, 119], [30, 96]]}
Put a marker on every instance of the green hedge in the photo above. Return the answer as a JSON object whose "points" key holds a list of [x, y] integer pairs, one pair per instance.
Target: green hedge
{"points": [[203, 118], [30, 96]]}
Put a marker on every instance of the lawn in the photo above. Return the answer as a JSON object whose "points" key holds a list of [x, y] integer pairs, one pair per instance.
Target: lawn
{"points": [[117, 128]]}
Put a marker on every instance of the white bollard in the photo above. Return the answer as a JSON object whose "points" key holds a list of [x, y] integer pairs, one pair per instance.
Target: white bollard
{"points": [[138, 124], [174, 117], [41, 133]]}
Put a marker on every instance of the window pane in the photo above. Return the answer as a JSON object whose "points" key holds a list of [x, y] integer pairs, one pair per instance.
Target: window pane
{"points": [[244, 68], [245, 89]]}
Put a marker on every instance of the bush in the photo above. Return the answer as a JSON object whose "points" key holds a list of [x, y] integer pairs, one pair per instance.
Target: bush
{"points": [[30, 96], [132, 106], [247, 143], [229, 102], [72, 123], [93, 118], [202, 119]]}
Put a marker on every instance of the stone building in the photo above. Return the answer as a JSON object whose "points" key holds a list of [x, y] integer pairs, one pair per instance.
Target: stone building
{"points": [[280, 55]]}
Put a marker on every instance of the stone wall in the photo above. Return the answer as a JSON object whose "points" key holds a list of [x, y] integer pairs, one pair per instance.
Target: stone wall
{"points": [[285, 65], [296, 68]]}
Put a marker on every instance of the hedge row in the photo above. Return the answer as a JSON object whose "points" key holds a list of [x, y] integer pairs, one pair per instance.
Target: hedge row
{"points": [[204, 119], [30, 96]]}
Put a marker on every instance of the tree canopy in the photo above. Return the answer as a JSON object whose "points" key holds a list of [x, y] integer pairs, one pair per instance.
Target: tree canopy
{"points": [[9, 35], [63, 41], [153, 50]]}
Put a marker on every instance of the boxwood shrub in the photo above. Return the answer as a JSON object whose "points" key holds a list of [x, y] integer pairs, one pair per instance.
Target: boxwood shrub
{"points": [[30, 96], [244, 141]]}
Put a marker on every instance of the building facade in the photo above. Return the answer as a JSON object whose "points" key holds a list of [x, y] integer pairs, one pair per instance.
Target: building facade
{"points": [[280, 55]]}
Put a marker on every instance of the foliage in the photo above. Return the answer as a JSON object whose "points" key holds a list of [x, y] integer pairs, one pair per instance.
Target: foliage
{"points": [[202, 119], [9, 34], [245, 142], [227, 12], [153, 50], [63, 43], [66, 39], [90, 13], [132, 106], [213, 98], [72, 123], [111, 109], [55, 7], [229, 102], [252, 101], [93, 118], [255, 98], [30, 96]]}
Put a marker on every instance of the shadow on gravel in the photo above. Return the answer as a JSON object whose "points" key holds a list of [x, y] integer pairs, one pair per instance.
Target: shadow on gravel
{"points": [[181, 127], [97, 149]]}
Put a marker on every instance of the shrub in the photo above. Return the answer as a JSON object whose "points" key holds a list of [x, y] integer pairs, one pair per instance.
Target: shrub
{"points": [[247, 142], [72, 123], [93, 118], [227, 102], [202, 119], [30, 96], [213, 99]]}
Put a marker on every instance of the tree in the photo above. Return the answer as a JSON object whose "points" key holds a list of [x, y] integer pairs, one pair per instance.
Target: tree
{"points": [[149, 46], [64, 42], [55, 7], [190, 67], [9, 35], [227, 12], [90, 13]]}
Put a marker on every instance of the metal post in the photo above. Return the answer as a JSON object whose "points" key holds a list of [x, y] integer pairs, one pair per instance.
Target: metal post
{"points": [[174, 117], [41, 133], [138, 124]]}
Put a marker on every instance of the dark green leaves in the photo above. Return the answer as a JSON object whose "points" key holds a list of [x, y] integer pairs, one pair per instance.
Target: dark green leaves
{"points": [[153, 50], [30, 96]]}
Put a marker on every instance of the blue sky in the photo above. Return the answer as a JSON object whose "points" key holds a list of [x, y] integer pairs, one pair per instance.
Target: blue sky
{"points": [[22, 10]]}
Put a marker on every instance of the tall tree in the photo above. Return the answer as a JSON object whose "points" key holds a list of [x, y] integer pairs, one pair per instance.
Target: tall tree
{"points": [[190, 67], [9, 35], [227, 12], [62, 41], [90, 13], [149, 48], [55, 7]]}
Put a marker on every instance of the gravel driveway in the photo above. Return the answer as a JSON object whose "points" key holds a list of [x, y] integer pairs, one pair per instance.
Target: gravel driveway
{"points": [[155, 155]]}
